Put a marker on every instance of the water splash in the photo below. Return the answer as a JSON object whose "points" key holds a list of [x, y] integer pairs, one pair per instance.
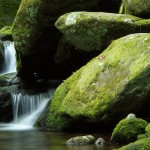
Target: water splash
{"points": [[26, 110], [9, 64]]}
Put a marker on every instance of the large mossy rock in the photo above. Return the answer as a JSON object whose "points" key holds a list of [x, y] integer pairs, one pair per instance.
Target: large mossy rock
{"points": [[108, 88], [140, 8], [94, 31], [128, 129], [36, 37], [8, 9]]}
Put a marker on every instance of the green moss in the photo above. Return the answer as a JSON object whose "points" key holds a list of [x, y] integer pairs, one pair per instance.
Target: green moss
{"points": [[117, 77], [93, 31], [147, 129], [6, 33], [143, 144], [4, 79], [136, 7], [8, 11], [127, 130]]}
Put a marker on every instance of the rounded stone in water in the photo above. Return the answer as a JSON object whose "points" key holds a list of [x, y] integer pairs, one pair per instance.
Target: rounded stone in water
{"points": [[81, 140]]}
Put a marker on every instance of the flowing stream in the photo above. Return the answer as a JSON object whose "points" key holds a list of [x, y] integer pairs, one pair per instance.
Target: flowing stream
{"points": [[26, 108], [9, 64]]}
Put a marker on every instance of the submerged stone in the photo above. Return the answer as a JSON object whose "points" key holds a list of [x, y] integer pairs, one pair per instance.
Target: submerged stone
{"points": [[96, 93], [81, 140]]}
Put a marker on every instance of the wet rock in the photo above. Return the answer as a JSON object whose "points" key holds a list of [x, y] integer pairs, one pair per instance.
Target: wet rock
{"points": [[100, 141], [81, 140]]}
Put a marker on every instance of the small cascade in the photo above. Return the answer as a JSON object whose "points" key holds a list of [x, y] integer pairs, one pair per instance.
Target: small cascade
{"points": [[9, 64], [27, 109]]}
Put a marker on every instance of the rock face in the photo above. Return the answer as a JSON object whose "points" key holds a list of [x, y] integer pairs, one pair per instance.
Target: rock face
{"points": [[1, 54], [127, 130], [36, 37], [8, 9], [94, 31], [136, 7], [96, 93]]}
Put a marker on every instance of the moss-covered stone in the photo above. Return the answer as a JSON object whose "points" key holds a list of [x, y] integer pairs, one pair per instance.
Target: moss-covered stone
{"points": [[127, 130], [118, 77], [8, 9], [147, 129], [94, 31], [143, 144], [6, 33], [136, 7], [36, 38]]}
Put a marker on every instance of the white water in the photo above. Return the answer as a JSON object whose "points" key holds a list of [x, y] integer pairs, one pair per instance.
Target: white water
{"points": [[26, 110], [9, 64]]}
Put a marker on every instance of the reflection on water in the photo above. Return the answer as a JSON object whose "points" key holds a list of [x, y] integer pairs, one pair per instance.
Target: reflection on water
{"points": [[39, 140]]}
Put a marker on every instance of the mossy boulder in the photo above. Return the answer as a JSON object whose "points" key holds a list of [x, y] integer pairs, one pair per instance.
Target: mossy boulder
{"points": [[143, 144], [94, 31], [128, 129], [8, 9], [6, 33], [36, 37], [96, 93], [136, 7]]}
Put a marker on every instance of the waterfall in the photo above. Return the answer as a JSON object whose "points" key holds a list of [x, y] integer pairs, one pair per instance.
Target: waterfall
{"points": [[27, 109], [9, 64]]}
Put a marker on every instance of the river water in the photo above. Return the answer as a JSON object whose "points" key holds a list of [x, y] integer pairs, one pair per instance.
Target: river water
{"points": [[44, 140]]}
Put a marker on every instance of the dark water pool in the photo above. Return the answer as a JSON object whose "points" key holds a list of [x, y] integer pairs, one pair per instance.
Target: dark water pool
{"points": [[44, 140]]}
